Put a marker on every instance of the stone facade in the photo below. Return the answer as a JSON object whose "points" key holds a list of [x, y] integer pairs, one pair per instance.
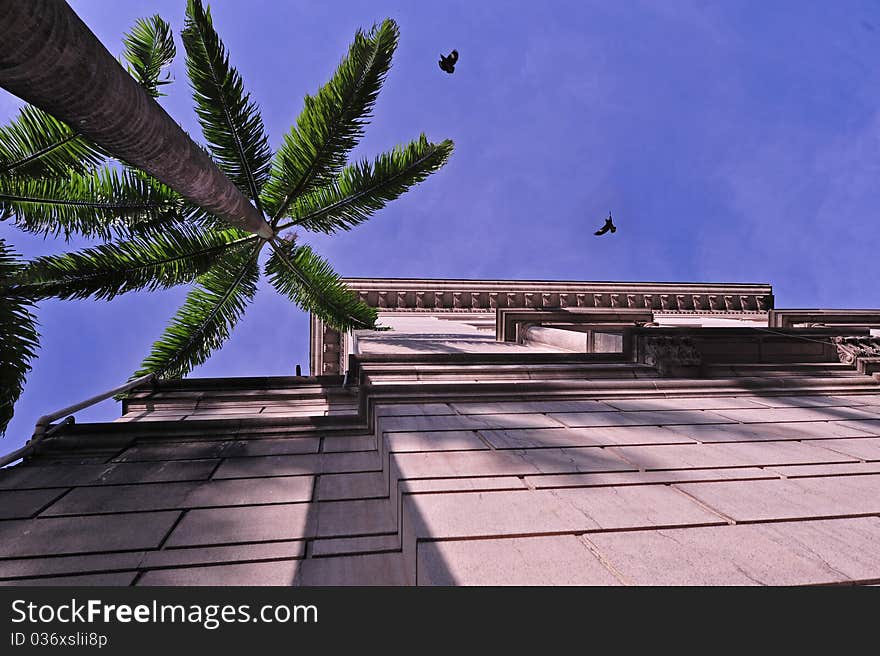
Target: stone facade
{"points": [[458, 448]]}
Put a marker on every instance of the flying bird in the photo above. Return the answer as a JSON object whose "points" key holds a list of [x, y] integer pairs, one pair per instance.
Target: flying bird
{"points": [[447, 63], [608, 226]]}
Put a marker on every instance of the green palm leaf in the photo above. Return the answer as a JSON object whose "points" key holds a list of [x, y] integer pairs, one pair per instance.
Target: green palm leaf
{"points": [[149, 48], [176, 256], [207, 316], [365, 188], [97, 204], [310, 282], [36, 144], [18, 337], [231, 123], [330, 125]]}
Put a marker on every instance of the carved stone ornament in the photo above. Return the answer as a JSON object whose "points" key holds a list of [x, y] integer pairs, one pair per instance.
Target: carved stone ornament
{"points": [[851, 349], [670, 354]]}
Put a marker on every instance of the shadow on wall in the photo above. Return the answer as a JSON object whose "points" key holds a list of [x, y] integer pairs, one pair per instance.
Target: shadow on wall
{"points": [[481, 480]]}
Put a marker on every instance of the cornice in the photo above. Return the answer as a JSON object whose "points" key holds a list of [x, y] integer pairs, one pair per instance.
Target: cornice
{"points": [[414, 295], [417, 295]]}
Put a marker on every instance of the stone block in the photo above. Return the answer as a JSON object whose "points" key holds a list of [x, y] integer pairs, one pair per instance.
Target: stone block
{"points": [[358, 517], [640, 418], [121, 498], [839, 469], [332, 487], [241, 492], [271, 447], [811, 401], [252, 552], [511, 407], [365, 569], [543, 560], [732, 454], [646, 477], [95, 563], [803, 430], [162, 496], [433, 441], [770, 415], [217, 526], [782, 453], [358, 545], [20, 504], [409, 409], [426, 485], [869, 427], [787, 553], [174, 451], [581, 437], [535, 438], [677, 456], [465, 422], [73, 535], [279, 572], [793, 498], [683, 403], [35, 476], [343, 443], [488, 514], [296, 465], [549, 461], [106, 579], [504, 463], [865, 448]]}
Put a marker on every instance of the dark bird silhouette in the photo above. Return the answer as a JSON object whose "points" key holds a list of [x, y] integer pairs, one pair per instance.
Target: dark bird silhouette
{"points": [[448, 63], [608, 226]]}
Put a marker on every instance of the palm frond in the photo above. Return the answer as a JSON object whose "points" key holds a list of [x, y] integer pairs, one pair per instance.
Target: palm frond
{"points": [[175, 256], [330, 125], [98, 204], [149, 48], [18, 337], [310, 282], [230, 121], [367, 187], [207, 316], [199, 216], [36, 144]]}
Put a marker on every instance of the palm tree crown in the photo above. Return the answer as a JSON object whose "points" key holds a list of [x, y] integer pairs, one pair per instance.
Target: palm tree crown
{"points": [[55, 182]]}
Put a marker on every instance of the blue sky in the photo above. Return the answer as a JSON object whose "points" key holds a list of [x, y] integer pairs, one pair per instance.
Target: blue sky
{"points": [[734, 141]]}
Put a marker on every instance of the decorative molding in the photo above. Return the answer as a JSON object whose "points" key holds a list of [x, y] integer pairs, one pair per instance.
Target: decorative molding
{"points": [[861, 352], [325, 349], [486, 296], [412, 295], [789, 318]]}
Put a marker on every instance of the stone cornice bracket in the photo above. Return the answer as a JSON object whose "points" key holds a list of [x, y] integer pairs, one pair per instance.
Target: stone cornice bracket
{"points": [[861, 352], [407, 295], [672, 356]]}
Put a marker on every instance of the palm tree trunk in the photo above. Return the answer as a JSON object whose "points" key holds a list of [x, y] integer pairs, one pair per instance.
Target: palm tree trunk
{"points": [[51, 59]]}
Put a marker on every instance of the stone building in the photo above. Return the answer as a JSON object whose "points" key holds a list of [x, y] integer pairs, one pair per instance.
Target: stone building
{"points": [[501, 432]]}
